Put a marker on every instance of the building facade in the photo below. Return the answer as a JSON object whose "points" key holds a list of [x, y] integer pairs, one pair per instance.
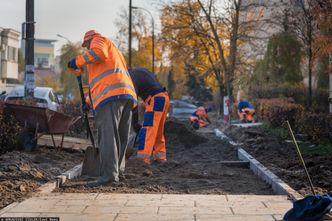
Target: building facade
{"points": [[44, 53], [9, 46]]}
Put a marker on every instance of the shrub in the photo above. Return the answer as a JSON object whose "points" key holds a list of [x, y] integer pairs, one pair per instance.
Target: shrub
{"points": [[297, 92], [276, 111], [318, 126], [9, 131]]}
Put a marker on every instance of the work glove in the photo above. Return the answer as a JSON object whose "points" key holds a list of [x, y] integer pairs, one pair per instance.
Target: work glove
{"points": [[137, 127], [72, 64]]}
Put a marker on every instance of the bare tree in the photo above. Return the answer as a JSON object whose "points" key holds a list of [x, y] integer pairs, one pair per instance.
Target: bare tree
{"points": [[305, 26]]}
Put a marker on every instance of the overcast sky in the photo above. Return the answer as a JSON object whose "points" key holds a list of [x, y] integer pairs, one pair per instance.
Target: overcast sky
{"points": [[70, 18]]}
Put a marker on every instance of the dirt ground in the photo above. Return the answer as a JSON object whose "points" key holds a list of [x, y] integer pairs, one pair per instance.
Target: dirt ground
{"points": [[193, 168], [21, 173], [281, 158]]}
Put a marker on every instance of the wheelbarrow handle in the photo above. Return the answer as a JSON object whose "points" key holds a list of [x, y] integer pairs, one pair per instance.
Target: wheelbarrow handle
{"points": [[85, 114]]}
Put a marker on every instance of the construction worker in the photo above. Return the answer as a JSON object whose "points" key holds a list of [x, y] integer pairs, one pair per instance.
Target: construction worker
{"points": [[200, 118], [151, 139], [245, 111], [113, 97]]}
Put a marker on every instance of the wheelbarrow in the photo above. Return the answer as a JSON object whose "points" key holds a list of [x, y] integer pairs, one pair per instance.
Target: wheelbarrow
{"points": [[38, 121]]}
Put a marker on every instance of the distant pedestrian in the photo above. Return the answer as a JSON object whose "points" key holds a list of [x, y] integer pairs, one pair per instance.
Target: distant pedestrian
{"points": [[113, 98]]}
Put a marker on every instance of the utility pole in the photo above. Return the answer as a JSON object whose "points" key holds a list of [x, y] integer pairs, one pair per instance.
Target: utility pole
{"points": [[129, 31], [28, 34]]}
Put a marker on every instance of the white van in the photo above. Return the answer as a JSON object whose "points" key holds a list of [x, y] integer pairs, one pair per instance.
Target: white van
{"points": [[44, 96]]}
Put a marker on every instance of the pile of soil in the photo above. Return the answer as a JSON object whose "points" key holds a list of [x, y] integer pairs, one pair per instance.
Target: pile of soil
{"points": [[21, 173], [281, 158], [192, 168]]}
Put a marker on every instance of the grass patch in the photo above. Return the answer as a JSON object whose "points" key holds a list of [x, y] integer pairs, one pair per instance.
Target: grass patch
{"points": [[281, 132], [321, 149], [307, 148]]}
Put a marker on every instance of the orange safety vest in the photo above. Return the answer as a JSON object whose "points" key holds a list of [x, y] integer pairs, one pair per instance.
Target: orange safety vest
{"points": [[108, 75], [201, 113]]}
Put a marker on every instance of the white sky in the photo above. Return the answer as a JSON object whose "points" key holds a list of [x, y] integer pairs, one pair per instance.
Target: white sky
{"points": [[70, 18]]}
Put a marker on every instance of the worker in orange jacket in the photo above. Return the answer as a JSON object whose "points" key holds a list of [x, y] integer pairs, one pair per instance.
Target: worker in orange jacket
{"points": [[246, 112], [113, 97], [200, 118], [151, 139]]}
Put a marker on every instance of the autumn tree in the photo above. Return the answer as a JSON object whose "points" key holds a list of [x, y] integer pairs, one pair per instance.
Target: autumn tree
{"points": [[141, 35], [48, 81], [68, 80], [197, 87], [170, 83], [323, 41], [207, 35], [305, 26]]}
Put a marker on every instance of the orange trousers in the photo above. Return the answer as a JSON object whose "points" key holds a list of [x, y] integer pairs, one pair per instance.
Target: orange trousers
{"points": [[151, 139], [247, 114]]}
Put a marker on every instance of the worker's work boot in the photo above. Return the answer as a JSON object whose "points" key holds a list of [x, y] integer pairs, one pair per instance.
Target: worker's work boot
{"points": [[122, 177]]}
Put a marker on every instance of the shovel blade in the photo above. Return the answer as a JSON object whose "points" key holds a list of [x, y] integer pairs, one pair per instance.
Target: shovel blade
{"points": [[91, 163]]}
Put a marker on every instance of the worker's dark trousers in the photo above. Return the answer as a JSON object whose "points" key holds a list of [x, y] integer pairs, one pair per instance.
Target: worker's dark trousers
{"points": [[113, 121]]}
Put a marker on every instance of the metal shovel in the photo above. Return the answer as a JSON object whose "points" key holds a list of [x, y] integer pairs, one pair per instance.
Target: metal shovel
{"points": [[91, 162]]}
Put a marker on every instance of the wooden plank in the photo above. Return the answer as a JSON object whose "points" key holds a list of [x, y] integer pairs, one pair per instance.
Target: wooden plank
{"points": [[68, 142]]}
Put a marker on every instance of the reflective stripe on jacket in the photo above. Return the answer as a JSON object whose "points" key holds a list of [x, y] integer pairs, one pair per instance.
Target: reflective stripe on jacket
{"points": [[108, 76]]}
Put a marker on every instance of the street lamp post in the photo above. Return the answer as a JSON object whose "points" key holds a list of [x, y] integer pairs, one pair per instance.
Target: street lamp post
{"points": [[152, 24], [61, 36]]}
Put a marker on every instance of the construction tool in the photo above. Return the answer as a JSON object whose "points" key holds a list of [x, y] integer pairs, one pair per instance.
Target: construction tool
{"points": [[131, 149], [91, 162], [301, 158], [313, 207]]}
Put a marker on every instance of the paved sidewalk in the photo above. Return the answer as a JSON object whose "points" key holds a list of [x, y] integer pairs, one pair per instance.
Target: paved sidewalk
{"points": [[137, 207]]}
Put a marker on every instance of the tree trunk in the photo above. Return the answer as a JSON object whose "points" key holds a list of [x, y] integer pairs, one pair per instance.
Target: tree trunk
{"points": [[310, 58], [222, 94], [310, 78]]}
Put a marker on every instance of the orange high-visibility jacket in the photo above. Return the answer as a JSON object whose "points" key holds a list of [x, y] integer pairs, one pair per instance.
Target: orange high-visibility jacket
{"points": [[108, 75], [201, 113]]}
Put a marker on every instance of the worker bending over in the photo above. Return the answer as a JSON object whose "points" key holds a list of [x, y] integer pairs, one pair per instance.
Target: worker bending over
{"points": [[246, 112], [200, 118], [151, 139], [113, 98]]}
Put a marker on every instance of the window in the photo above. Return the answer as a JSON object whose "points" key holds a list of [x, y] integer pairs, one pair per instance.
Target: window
{"points": [[12, 54]]}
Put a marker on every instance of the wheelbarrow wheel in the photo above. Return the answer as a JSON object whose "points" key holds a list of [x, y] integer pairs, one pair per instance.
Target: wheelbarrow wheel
{"points": [[27, 140]]}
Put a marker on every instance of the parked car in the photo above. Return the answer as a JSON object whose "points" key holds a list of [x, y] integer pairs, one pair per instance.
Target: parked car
{"points": [[181, 109], [3, 95], [44, 97]]}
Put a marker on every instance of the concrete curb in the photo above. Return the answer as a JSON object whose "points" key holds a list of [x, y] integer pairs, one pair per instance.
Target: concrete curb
{"points": [[278, 186], [69, 174], [51, 185], [59, 180]]}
